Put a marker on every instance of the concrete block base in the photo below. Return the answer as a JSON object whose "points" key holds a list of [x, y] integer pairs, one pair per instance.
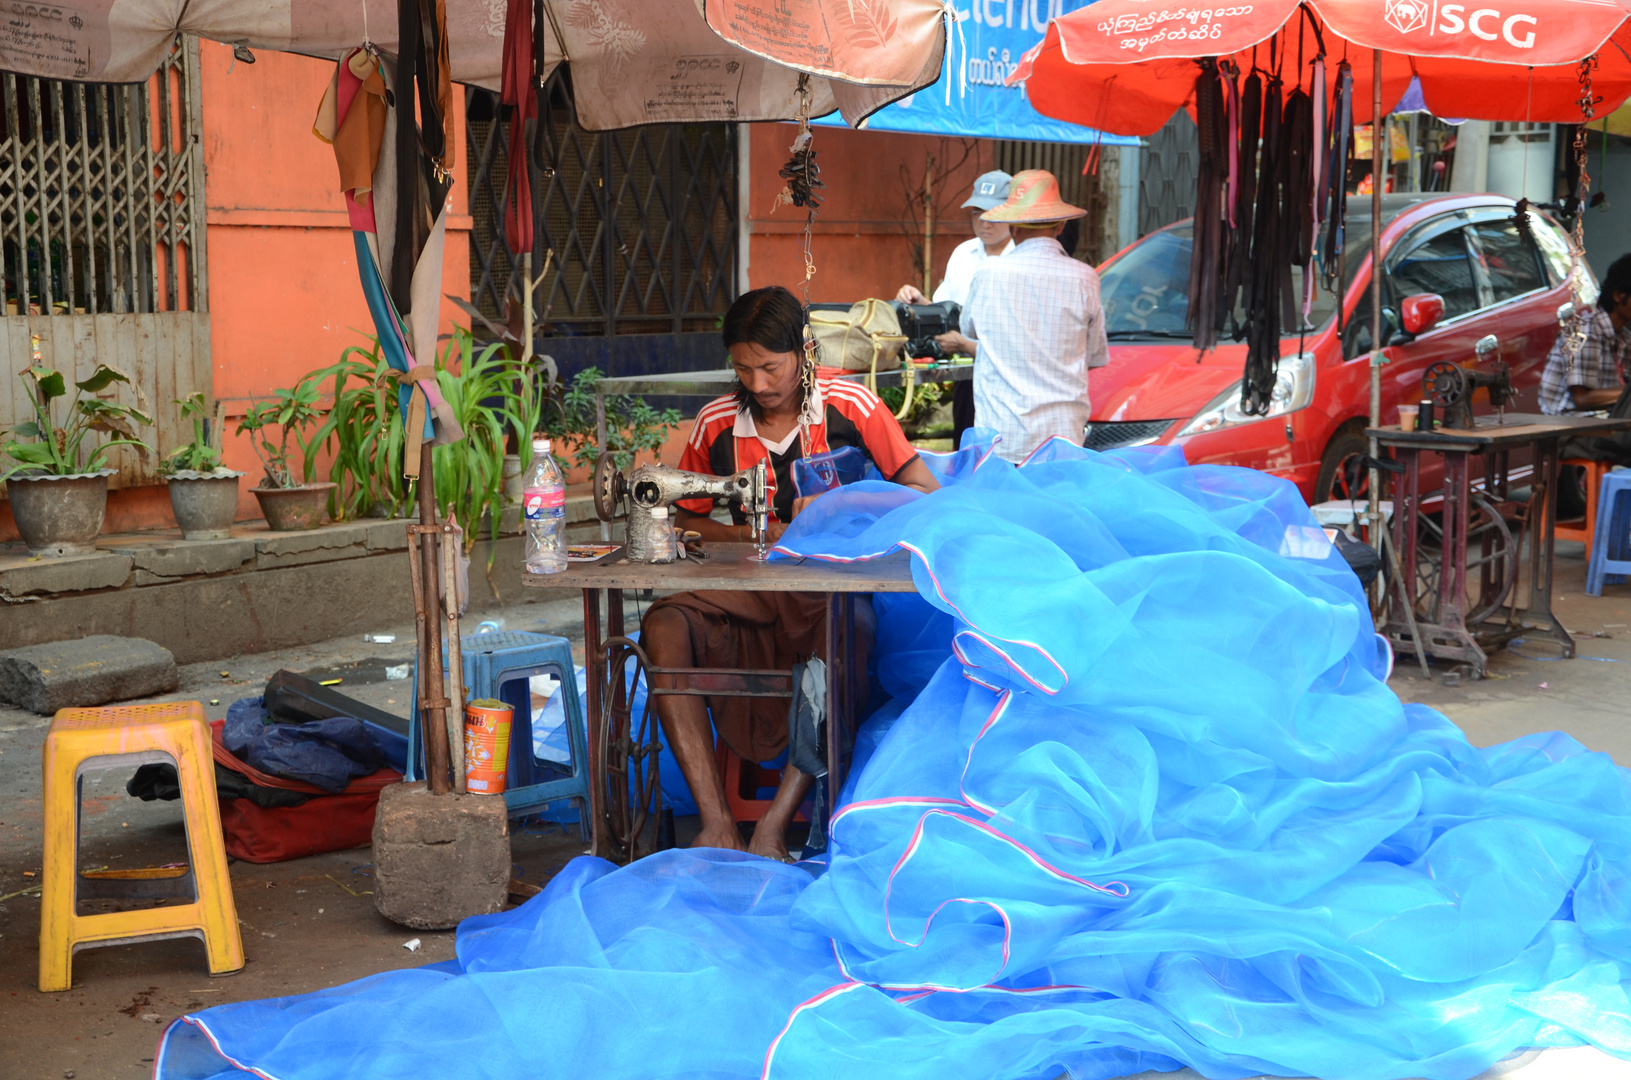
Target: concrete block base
{"points": [[439, 858], [90, 671]]}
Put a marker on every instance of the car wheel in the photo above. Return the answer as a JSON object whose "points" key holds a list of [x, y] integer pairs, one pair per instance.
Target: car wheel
{"points": [[1340, 475]]}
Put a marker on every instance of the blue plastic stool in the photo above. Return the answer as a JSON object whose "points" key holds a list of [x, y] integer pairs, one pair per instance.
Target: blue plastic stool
{"points": [[500, 665], [1611, 546]]}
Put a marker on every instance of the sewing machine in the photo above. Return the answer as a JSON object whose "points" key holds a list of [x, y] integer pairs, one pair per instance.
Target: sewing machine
{"points": [[1452, 386], [651, 486]]}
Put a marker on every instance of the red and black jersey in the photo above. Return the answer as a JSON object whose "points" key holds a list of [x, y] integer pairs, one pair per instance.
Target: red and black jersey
{"points": [[725, 441]]}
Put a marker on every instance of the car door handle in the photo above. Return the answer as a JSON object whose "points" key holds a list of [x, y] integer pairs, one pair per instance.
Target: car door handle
{"points": [[1486, 345], [1565, 312]]}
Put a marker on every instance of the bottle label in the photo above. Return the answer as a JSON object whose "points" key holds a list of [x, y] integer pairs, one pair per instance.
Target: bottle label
{"points": [[540, 502]]}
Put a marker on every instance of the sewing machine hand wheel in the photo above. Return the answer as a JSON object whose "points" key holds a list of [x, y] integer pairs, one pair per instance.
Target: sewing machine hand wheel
{"points": [[610, 488], [1443, 382]]}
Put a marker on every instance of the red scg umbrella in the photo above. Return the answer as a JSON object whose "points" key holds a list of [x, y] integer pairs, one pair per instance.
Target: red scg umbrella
{"points": [[1126, 66]]}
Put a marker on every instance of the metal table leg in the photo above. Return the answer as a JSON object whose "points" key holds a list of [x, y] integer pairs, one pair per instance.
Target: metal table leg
{"points": [[842, 693], [1542, 521], [594, 660]]}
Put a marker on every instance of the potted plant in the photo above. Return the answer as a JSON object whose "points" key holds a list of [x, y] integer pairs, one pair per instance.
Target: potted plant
{"points": [[287, 504], [203, 492], [58, 491]]}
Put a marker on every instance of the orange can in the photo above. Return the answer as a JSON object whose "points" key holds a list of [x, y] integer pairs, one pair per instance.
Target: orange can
{"points": [[486, 745]]}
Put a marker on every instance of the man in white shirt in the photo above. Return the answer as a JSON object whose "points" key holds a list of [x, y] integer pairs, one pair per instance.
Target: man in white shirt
{"points": [[990, 239], [1036, 316]]}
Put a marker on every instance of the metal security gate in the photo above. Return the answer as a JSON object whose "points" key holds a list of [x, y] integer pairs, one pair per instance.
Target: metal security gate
{"points": [[643, 221], [1066, 161], [102, 239], [1166, 176]]}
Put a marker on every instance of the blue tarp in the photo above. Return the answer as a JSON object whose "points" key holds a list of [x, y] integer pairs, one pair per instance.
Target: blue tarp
{"points": [[984, 46], [1141, 799]]}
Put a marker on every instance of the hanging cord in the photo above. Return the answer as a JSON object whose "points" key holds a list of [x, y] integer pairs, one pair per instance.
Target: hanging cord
{"points": [[1575, 332], [803, 178]]}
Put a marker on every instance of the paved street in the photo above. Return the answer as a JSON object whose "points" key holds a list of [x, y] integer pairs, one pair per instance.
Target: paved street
{"points": [[309, 923]]}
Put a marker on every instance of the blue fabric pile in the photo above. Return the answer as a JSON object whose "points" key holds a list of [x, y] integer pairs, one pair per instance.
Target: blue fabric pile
{"points": [[327, 753], [1141, 799]]}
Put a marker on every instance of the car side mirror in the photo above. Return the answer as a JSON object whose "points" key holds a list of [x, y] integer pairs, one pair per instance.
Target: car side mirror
{"points": [[1421, 312]]}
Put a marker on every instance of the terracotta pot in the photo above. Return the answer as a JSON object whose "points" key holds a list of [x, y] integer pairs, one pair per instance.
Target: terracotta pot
{"points": [[293, 509], [59, 515]]}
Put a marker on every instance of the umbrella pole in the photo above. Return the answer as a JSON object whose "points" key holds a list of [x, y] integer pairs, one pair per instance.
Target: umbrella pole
{"points": [[1374, 511], [433, 705]]}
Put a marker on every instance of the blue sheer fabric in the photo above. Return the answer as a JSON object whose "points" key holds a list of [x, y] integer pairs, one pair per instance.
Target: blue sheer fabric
{"points": [[1140, 800]]}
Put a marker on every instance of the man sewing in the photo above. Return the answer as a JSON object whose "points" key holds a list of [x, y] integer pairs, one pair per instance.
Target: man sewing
{"points": [[776, 401], [1036, 316], [1592, 377], [990, 240]]}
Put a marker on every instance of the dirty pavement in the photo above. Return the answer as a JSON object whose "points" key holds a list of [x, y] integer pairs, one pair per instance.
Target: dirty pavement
{"points": [[310, 923]]}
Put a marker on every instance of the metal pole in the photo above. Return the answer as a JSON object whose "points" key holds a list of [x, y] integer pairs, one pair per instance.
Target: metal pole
{"points": [[928, 227], [1377, 147], [433, 707]]}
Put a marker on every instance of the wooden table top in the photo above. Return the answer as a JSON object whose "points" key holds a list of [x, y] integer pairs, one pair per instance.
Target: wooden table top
{"points": [[732, 568], [1487, 433]]}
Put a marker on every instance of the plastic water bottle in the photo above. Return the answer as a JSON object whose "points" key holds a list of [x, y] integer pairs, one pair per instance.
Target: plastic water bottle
{"points": [[544, 502]]}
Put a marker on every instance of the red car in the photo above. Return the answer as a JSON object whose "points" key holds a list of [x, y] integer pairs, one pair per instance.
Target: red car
{"points": [[1495, 280]]}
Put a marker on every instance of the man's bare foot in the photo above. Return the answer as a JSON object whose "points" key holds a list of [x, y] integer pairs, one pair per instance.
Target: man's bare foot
{"points": [[769, 845], [719, 836]]}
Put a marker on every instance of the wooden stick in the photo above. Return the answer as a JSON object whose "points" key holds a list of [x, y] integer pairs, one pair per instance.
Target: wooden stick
{"points": [[455, 659], [433, 706]]}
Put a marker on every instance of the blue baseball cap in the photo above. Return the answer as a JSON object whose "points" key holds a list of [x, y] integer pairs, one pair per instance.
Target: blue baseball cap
{"points": [[990, 190]]}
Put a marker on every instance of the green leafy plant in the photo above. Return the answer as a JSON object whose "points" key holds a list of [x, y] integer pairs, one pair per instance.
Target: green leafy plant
{"points": [[632, 426], [58, 449], [202, 454], [363, 435], [498, 404], [926, 397], [291, 411], [364, 432], [485, 394]]}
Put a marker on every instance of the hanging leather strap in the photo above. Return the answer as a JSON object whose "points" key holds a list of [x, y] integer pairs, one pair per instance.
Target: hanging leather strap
{"points": [[414, 433]]}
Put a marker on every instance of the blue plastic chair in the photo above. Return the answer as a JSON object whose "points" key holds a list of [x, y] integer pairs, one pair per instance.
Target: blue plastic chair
{"points": [[1611, 546], [500, 665]]}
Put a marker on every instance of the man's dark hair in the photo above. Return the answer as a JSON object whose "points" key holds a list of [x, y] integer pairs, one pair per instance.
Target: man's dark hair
{"points": [[1617, 280], [771, 318]]}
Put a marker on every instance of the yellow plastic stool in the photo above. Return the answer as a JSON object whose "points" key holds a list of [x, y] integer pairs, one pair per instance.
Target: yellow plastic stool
{"points": [[81, 740]]}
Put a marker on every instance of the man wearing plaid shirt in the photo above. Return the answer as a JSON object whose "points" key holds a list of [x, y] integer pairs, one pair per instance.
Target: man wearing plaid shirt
{"points": [[1036, 315], [1593, 378]]}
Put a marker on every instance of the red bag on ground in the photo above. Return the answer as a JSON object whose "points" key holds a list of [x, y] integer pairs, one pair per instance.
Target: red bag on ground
{"points": [[324, 822]]}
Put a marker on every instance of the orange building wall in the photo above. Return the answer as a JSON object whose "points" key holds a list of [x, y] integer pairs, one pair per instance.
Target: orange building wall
{"points": [[284, 296], [859, 244]]}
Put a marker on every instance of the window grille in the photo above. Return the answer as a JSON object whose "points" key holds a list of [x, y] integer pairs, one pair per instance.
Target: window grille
{"points": [[643, 221], [1066, 162], [101, 193], [1166, 174]]}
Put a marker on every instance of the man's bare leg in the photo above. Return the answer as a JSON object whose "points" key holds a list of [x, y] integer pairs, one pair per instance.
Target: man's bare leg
{"points": [[667, 639], [770, 835]]}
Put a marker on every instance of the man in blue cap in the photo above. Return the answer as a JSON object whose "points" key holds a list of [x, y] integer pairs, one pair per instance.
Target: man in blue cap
{"points": [[990, 239]]}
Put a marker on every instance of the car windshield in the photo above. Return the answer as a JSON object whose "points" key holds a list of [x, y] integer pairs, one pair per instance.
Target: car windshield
{"points": [[1146, 291]]}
